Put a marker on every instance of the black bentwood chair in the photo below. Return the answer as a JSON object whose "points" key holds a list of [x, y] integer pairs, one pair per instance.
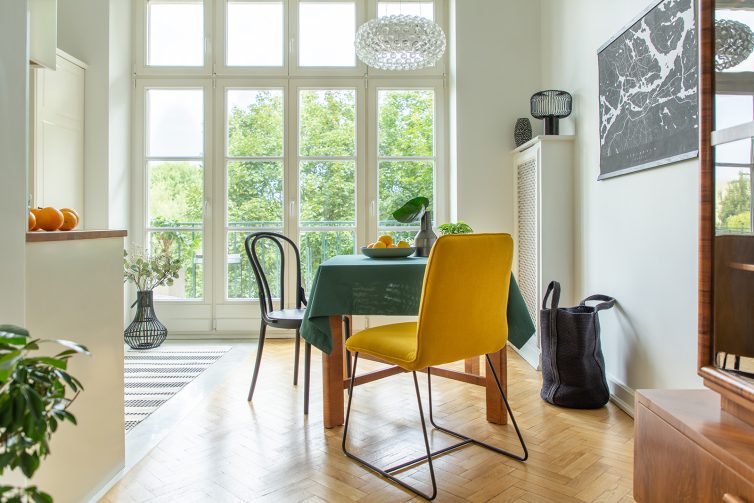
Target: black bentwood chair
{"points": [[278, 318]]}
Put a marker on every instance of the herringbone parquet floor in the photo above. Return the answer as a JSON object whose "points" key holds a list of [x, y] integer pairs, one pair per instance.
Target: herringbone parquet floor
{"points": [[230, 451]]}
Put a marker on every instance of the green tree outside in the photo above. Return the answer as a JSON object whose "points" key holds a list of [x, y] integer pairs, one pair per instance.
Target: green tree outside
{"points": [[327, 188]]}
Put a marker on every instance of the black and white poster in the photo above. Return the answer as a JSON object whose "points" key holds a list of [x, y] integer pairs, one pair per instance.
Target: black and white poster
{"points": [[648, 87]]}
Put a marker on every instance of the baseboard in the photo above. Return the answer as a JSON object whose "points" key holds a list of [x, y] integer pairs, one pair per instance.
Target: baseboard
{"points": [[621, 395], [529, 352], [108, 485]]}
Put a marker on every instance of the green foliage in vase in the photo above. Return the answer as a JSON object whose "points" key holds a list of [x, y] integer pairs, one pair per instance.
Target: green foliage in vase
{"points": [[33, 404], [149, 270], [411, 210], [459, 227]]}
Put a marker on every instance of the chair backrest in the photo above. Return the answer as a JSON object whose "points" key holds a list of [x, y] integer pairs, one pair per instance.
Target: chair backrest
{"points": [[463, 311], [254, 244]]}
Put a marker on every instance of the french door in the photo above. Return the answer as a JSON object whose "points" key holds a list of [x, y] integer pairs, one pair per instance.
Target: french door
{"points": [[221, 159]]}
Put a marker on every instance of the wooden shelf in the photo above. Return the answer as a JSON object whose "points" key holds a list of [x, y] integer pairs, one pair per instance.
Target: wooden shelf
{"points": [[44, 236]]}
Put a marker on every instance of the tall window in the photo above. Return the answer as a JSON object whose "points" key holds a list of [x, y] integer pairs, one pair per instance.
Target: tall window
{"points": [[257, 115]]}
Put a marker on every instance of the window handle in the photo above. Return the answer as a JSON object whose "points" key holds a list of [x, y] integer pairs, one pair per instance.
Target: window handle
{"points": [[292, 209], [373, 208]]}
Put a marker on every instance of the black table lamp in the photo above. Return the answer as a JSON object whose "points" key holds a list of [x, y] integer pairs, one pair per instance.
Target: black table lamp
{"points": [[551, 106]]}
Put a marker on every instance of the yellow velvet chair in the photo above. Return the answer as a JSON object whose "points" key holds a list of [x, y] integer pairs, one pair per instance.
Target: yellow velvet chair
{"points": [[462, 314]]}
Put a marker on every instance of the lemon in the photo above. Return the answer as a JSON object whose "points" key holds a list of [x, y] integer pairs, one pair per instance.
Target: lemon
{"points": [[388, 240], [370, 245], [403, 244], [379, 244]]}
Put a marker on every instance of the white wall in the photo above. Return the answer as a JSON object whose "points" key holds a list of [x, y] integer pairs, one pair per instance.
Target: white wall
{"points": [[494, 60], [14, 57], [99, 33], [638, 233]]}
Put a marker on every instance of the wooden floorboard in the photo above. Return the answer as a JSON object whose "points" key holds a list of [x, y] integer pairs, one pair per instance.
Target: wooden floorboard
{"points": [[229, 451]]}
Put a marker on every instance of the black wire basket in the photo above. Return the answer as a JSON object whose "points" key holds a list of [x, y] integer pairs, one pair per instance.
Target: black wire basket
{"points": [[145, 331]]}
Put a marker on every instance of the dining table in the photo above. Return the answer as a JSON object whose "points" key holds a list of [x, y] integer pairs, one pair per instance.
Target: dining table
{"points": [[349, 285]]}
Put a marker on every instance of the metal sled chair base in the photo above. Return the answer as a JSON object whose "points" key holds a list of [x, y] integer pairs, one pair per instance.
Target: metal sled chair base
{"points": [[388, 472]]}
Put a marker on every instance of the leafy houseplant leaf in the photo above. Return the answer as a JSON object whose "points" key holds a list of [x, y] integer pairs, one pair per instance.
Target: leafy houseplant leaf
{"points": [[412, 210], [33, 402]]}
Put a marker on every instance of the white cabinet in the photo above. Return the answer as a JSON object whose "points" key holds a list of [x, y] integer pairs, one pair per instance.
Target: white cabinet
{"points": [[57, 135], [544, 227]]}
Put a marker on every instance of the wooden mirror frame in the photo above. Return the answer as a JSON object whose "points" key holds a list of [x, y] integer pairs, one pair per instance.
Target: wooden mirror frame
{"points": [[737, 395]]}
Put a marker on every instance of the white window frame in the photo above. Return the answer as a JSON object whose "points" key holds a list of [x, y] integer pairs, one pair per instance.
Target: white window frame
{"points": [[215, 313]]}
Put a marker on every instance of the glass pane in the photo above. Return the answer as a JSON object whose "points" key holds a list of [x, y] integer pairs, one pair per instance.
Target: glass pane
{"points": [[176, 33], [328, 123], [733, 109], [328, 193], [733, 187], [406, 123], [255, 194], [175, 119], [187, 246], [255, 34], [255, 123], [176, 194], [423, 9], [316, 247], [326, 34], [735, 152], [400, 181], [241, 281]]}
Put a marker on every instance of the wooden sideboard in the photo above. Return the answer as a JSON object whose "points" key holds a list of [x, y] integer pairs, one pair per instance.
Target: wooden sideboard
{"points": [[687, 449]]}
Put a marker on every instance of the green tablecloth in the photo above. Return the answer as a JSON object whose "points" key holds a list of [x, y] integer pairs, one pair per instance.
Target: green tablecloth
{"points": [[358, 285]]}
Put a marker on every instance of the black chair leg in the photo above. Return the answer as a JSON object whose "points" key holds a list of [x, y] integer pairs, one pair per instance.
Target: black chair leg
{"points": [[295, 358], [387, 472], [469, 440], [260, 347], [307, 373]]}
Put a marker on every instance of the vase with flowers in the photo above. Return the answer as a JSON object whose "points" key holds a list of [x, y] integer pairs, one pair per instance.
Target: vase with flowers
{"points": [[147, 271]]}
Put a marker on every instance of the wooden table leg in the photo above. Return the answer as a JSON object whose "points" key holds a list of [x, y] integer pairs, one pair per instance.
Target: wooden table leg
{"points": [[471, 365], [496, 412], [332, 377]]}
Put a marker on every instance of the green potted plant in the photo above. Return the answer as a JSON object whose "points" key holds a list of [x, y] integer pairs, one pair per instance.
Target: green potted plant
{"points": [[33, 403], [459, 227], [412, 210], [147, 271]]}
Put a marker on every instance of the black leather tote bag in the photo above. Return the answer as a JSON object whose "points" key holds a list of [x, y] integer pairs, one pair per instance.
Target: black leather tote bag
{"points": [[573, 368]]}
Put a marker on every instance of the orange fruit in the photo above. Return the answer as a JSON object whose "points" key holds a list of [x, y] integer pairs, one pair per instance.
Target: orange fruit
{"points": [[78, 217], [36, 212], [388, 240], [70, 220], [49, 219], [32, 221]]}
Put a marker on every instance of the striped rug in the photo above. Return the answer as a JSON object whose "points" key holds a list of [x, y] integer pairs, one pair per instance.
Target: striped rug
{"points": [[154, 376]]}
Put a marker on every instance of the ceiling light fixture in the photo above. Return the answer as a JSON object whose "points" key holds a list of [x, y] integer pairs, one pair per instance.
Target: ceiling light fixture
{"points": [[400, 42], [734, 43]]}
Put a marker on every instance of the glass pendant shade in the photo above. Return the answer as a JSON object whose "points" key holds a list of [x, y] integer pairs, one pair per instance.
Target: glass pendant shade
{"points": [[734, 43], [400, 42]]}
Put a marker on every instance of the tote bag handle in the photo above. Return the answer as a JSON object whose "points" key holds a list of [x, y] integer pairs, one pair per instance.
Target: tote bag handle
{"points": [[606, 302]]}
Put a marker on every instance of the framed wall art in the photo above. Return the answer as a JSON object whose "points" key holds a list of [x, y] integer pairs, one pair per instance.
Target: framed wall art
{"points": [[648, 90]]}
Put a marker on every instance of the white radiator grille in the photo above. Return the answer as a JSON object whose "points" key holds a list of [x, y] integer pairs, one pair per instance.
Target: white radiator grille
{"points": [[527, 234]]}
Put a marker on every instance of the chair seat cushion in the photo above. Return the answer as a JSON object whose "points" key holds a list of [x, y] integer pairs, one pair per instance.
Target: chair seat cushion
{"points": [[396, 343], [287, 318]]}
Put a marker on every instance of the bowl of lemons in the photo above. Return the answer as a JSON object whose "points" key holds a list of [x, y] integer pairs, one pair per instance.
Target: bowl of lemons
{"points": [[385, 248]]}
